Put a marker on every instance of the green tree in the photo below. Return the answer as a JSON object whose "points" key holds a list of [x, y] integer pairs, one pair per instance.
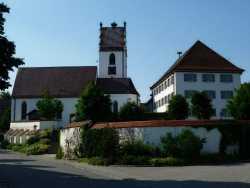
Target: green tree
{"points": [[238, 106], [131, 111], [4, 111], [93, 105], [178, 107], [49, 108], [201, 106], [7, 52]]}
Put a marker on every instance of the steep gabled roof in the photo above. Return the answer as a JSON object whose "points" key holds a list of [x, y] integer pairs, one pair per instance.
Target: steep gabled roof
{"points": [[58, 81], [200, 58], [116, 85]]}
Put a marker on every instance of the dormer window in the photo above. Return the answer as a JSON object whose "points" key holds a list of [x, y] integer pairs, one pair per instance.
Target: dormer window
{"points": [[112, 59]]}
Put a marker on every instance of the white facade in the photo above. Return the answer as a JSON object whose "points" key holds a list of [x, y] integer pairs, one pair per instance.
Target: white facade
{"points": [[35, 125], [68, 109], [16, 109], [219, 89], [120, 64], [122, 99]]}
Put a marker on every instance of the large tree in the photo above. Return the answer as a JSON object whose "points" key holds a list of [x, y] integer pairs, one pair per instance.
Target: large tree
{"points": [[178, 107], [93, 105], [7, 52], [201, 106], [239, 105], [4, 111]]}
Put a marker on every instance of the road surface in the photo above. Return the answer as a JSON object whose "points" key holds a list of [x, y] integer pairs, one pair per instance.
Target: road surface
{"points": [[17, 170]]}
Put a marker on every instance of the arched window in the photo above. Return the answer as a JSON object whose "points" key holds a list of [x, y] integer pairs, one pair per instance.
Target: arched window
{"points": [[24, 110], [115, 107], [112, 59]]}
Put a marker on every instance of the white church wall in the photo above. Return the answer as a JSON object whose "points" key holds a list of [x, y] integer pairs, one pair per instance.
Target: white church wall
{"points": [[123, 98], [68, 108], [120, 62], [34, 125]]}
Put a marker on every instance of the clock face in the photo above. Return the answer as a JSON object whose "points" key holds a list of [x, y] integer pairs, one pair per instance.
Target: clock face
{"points": [[113, 37]]}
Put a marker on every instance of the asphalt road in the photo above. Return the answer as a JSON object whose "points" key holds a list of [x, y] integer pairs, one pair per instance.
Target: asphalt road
{"points": [[18, 170]]}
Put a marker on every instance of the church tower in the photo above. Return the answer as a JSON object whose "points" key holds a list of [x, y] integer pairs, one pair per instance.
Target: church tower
{"points": [[112, 52]]}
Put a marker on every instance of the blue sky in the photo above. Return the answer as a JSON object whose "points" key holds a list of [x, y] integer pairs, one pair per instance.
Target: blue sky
{"points": [[66, 33]]}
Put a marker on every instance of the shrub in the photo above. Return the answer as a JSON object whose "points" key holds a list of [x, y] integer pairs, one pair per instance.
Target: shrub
{"points": [[102, 143], [45, 141], [36, 149], [19, 148], [4, 144], [186, 145], [169, 161], [170, 145], [130, 111], [32, 140], [59, 154], [98, 161], [134, 160], [137, 148], [189, 144]]}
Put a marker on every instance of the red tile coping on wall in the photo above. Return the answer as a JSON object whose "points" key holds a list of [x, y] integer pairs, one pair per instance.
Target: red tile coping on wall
{"points": [[167, 123]]}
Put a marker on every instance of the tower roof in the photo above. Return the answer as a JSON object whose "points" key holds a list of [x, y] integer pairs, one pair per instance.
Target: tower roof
{"points": [[112, 38], [201, 58]]}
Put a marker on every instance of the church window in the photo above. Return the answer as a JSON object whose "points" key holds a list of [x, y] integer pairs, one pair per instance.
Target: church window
{"points": [[112, 59], [24, 110], [112, 70]]}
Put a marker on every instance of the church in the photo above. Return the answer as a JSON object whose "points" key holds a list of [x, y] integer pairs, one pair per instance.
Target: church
{"points": [[67, 83]]}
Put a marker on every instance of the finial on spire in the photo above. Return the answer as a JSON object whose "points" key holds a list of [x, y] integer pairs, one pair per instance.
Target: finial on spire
{"points": [[113, 24], [125, 24], [100, 24]]}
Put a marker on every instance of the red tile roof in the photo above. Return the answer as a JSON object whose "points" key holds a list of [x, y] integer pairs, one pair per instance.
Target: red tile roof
{"points": [[166, 123], [200, 58], [58, 81]]}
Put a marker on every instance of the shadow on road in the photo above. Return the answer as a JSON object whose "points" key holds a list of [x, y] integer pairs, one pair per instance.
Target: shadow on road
{"points": [[31, 176]]}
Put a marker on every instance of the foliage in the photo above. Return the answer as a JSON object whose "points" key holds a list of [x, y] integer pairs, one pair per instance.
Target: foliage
{"points": [[239, 105], [36, 149], [7, 52], [4, 144], [33, 139], [136, 148], [170, 145], [201, 105], [48, 107], [93, 105], [5, 120], [178, 107], [134, 160], [130, 111], [102, 143], [186, 145], [189, 145], [98, 161], [59, 153], [5, 99], [169, 161]]}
